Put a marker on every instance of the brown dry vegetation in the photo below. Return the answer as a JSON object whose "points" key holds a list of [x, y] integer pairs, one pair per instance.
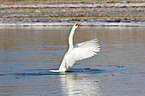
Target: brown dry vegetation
{"points": [[112, 1]]}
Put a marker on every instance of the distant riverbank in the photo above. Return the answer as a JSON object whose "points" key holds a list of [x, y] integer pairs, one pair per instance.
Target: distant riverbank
{"points": [[58, 12]]}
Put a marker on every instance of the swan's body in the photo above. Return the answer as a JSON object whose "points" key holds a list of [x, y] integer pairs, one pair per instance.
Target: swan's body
{"points": [[78, 51]]}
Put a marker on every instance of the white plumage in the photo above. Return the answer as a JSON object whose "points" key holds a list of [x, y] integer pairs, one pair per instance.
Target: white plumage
{"points": [[78, 51]]}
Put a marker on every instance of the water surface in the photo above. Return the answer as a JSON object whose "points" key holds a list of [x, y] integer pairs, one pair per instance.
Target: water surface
{"points": [[27, 54]]}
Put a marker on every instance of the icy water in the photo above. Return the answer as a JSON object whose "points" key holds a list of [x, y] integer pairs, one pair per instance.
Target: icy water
{"points": [[27, 54]]}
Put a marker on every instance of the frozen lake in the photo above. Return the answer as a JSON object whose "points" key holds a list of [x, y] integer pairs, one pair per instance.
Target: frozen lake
{"points": [[27, 54]]}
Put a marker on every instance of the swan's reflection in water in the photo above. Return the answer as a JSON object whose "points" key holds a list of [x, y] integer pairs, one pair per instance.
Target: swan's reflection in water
{"points": [[75, 85]]}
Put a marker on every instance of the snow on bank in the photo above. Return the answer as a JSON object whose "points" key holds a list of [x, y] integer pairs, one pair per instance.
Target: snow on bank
{"points": [[73, 5]]}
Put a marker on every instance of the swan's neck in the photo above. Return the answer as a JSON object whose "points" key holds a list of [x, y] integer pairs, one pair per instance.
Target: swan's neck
{"points": [[71, 38]]}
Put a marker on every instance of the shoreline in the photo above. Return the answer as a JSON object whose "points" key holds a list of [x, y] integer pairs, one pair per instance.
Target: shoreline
{"points": [[113, 24]]}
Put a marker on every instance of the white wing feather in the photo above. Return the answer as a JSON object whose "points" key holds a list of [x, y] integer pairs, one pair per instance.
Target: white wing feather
{"points": [[84, 50]]}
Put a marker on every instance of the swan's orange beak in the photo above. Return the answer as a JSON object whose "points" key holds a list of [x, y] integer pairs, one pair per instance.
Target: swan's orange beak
{"points": [[78, 24]]}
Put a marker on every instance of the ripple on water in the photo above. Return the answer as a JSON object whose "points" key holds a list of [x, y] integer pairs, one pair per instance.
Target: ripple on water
{"points": [[38, 72]]}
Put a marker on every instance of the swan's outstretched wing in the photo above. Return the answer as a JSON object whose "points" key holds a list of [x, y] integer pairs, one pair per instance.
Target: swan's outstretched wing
{"points": [[80, 51], [85, 49]]}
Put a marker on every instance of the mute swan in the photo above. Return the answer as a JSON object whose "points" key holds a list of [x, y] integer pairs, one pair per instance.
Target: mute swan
{"points": [[78, 51]]}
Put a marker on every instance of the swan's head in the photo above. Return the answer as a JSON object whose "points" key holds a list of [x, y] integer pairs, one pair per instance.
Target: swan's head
{"points": [[76, 25]]}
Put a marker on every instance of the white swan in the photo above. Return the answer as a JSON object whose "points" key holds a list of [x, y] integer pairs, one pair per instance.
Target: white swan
{"points": [[78, 51]]}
